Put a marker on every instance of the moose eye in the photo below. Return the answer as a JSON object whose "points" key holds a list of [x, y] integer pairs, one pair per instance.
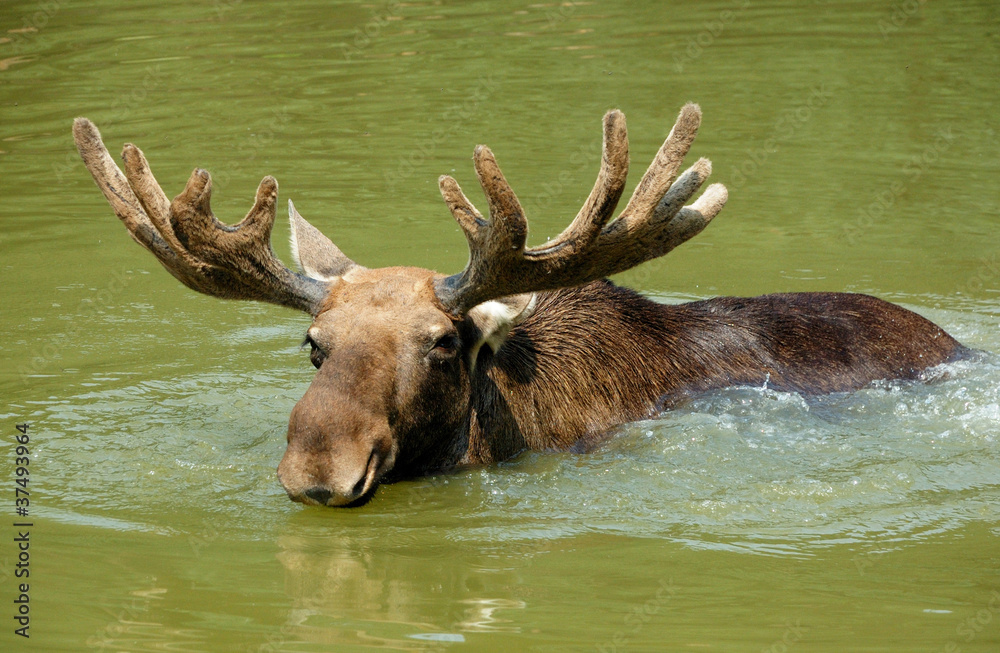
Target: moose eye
{"points": [[446, 344], [317, 355]]}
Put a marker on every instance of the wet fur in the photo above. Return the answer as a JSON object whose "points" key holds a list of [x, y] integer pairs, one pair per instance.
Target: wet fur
{"points": [[597, 356]]}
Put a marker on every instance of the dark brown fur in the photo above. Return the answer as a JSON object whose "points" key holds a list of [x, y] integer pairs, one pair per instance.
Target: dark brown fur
{"points": [[598, 356]]}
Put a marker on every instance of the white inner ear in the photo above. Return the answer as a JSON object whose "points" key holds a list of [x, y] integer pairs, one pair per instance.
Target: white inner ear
{"points": [[308, 270], [294, 242], [495, 318]]}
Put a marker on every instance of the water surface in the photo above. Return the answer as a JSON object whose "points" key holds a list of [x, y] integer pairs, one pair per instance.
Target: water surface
{"points": [[859, 142]]}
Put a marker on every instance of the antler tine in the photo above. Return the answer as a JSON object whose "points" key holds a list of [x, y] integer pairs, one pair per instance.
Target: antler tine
{"points": [[508, 227], [502, 239], [594, 214], [667, 226], [662, 171], [154, 201], [241, 253], [116, 189], [653, 222], [493, 243], [144, 184], [603, 198], [466, 215], [204, 254]]}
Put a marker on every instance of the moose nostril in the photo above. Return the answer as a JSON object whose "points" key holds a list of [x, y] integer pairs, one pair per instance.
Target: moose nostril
{"points": [[358, 488], [319, 494]]}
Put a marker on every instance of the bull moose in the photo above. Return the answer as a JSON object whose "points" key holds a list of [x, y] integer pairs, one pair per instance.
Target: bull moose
{"points": [[526, 348]]}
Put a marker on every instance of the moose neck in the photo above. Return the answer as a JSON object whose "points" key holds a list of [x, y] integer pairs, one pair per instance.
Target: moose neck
{"points": [[589, 359], [597, 356]]}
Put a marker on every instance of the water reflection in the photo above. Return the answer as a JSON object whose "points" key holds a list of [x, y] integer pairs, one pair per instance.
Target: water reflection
{"points": [[342, 588]]}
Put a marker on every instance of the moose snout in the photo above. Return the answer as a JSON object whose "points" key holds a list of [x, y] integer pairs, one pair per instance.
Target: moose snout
{"points": [[332, 478], [334, 462]]}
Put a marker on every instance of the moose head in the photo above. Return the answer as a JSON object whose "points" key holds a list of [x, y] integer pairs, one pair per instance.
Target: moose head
{"points": [[397, 349]]}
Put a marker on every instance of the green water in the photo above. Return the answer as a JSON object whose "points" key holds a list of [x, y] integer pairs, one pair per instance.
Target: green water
{"points": [[860, 144]]}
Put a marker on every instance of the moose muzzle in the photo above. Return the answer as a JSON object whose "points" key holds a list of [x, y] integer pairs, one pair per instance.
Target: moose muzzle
{"points": [[337, 451]]}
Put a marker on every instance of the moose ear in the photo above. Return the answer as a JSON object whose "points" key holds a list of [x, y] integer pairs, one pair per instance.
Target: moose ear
{"points": [[494, 319], [314, 253]]}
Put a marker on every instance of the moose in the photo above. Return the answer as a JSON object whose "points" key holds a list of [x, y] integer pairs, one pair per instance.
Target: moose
{"points": [[524, 349]]}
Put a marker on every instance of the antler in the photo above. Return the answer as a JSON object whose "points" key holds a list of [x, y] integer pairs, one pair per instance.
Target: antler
{"points": [[654, 222], [232, 262]]}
